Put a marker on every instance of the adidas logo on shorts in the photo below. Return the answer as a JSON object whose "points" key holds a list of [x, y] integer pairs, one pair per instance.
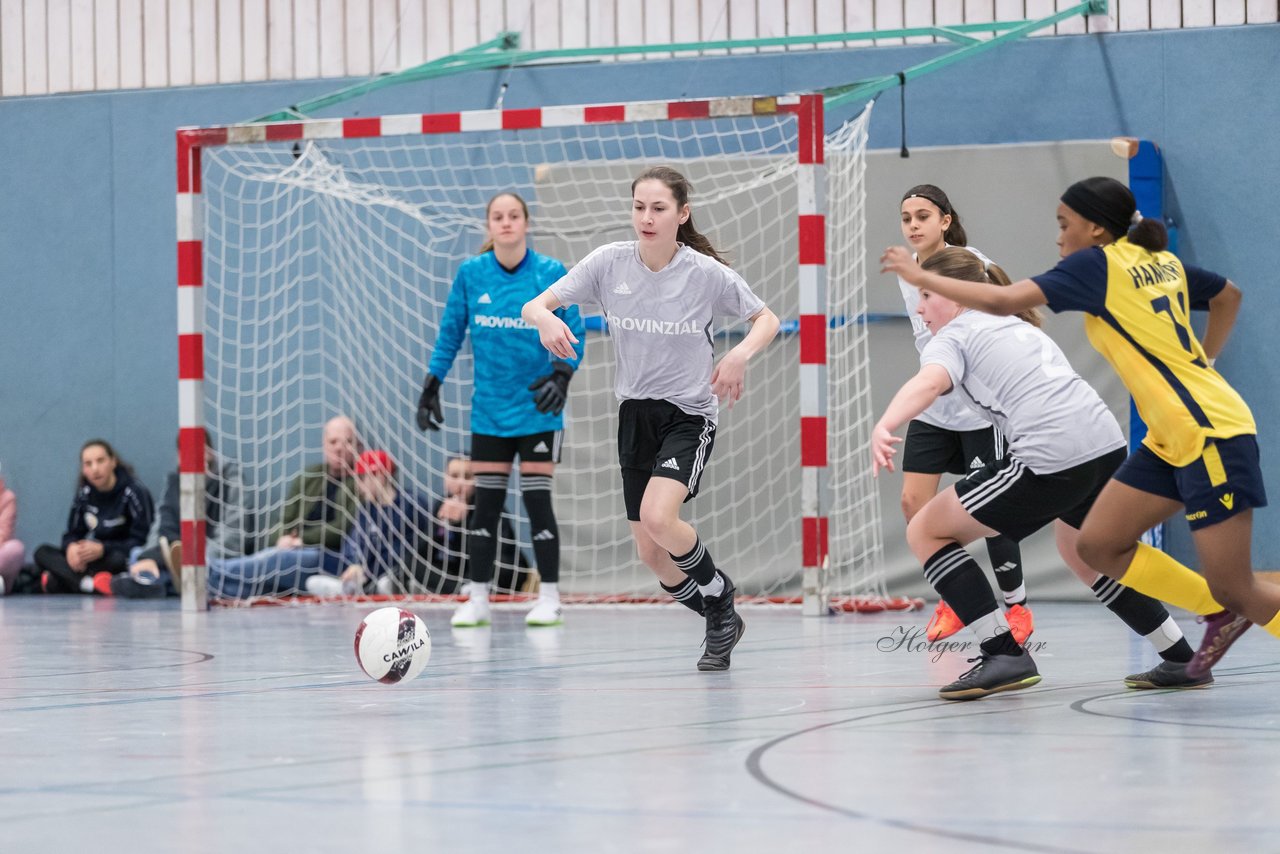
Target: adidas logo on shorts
{"points": [[622, 289], [976, 464], [484, 299], [480, 532], [671, 464], [541, 448], [544, 534]]}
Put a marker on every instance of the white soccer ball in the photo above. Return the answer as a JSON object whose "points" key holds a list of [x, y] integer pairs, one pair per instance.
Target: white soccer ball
{"points": [[392, 645]]}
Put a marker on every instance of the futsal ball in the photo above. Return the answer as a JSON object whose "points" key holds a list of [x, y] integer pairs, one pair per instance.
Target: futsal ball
{"points": [[392, 645]]}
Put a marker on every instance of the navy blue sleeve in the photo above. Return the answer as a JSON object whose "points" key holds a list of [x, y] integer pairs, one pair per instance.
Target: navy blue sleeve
{"points": [[1078, 283], [1202, 286]]}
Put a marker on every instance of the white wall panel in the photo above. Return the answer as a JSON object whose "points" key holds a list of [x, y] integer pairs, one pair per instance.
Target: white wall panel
{"points": [[58, 44], [49, 46], [915, 13], [411, 40], [35, 50], [202, 47], [1262, 11], [12, 49], [130, 47], [230, 44], [889, 15], [859, 17], [574, 21], [333, 38], [306, 39], [155, 45], [359, 37], [1197, 13], [466, 25], [83, 64], [280, 39], [1228, 13]]}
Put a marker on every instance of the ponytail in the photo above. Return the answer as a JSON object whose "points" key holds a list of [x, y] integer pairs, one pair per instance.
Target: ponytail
{"points": [[1150, 234], [957, 263], [686, 233], [689, 235], [996, 275]]}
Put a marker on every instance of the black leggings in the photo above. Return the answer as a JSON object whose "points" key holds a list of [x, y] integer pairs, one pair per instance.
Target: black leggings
{"points": [[57, 575]]}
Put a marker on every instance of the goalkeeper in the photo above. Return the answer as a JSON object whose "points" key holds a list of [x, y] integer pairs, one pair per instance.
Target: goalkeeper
{"points": [[517, 404]]}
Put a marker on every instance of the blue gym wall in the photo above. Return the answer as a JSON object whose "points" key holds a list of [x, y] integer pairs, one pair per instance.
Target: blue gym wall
{"points": [[87, 304]]}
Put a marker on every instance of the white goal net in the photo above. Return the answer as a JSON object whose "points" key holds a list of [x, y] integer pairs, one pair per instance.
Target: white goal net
{"points": [[327, 263]]}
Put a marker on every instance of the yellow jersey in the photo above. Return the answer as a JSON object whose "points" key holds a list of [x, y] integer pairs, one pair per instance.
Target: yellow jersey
{"points": [[1138, 304]]}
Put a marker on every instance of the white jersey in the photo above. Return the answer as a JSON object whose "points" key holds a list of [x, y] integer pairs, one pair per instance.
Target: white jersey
{"points": [[1013, 372], [948, 412], [660, 322]]}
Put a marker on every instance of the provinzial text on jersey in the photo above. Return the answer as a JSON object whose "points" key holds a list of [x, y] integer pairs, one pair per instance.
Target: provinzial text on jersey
{"points": [[492, 322], [649, 324], [1153, 274]]}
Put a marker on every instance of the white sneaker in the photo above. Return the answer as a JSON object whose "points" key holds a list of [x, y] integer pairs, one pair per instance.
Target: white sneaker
{"points": [[546, 612], [473, 612], [324, 585]]}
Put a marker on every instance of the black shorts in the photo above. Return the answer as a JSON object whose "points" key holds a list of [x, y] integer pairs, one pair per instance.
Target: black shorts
{"points": [[1226, 480], [1008, 497], [658, 439], [936, 450], [534, 448]]}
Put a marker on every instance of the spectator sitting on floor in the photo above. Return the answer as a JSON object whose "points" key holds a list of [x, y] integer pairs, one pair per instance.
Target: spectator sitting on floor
{"points": [[11, 549], [385, 534], [154, 569], [441, 566], [111, 515], [318, 511]]}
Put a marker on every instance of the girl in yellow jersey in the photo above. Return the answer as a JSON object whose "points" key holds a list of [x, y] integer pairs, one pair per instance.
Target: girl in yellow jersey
{"points": [[1200, 454]]}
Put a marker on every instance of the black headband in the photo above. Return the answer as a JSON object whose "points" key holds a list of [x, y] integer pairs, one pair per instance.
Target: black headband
{"points": [[1090, 205], [946, 209]]}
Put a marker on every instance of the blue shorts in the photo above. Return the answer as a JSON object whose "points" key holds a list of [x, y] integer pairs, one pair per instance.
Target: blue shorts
{"points": [[1226, 480]]}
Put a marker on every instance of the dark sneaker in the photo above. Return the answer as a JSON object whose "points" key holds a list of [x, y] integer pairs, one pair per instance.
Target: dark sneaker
{"points": [[1167, 674], [126, 586], [1220, 632], [993, 673], [724, 628]]}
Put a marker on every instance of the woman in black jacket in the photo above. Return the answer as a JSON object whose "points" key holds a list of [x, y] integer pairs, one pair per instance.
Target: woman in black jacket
{"points": [[111, 514]]}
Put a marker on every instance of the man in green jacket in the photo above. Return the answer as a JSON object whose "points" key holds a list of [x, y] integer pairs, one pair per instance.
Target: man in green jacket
{"points": [[318, 510]]}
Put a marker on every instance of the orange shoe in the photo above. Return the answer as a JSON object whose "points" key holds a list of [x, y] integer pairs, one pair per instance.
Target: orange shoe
{"points": [[943, 624], [1021, 623]]}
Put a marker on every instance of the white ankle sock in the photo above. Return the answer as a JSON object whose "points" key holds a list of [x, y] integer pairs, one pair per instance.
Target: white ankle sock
{"points": [[86, 584], [989, 626], [550, 592], [714, 589], [478, 592]]}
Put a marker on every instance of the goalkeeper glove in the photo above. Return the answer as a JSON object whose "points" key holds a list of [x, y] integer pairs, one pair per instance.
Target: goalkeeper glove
{"points": [[430, 416], [552, 390]]}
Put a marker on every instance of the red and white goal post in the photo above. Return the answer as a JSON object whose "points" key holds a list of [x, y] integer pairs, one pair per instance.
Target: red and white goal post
{"points": [[315, 258]]}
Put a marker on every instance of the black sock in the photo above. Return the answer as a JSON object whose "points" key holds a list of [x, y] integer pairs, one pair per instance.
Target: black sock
{"points": [[483, 526], [1006, 560], [697, 564], [688, 595], [536, 491], [961, 583], [1146, 616], [1001, 644]]}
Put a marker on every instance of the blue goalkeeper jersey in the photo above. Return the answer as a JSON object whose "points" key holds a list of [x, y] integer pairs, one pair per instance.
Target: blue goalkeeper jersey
{"points": [[486, 300]]}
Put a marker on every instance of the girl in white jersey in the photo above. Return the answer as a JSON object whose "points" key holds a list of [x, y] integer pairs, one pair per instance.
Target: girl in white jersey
{"points": [[949, 437], [660, 294], [1064, 446]]}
